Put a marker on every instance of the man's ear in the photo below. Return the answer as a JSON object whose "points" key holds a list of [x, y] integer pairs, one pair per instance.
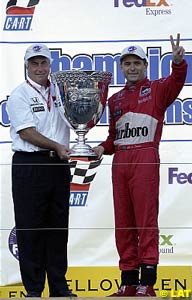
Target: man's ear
{"points": [[146, 65]]}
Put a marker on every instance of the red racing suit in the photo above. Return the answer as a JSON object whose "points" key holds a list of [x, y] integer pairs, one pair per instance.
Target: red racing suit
{"points": [[135, 129]]}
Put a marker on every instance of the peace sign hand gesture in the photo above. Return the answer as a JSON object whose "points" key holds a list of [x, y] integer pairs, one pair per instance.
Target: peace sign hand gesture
{"points": [[178, 51]]}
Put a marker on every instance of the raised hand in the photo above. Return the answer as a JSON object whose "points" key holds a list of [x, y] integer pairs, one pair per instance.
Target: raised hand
{"points": [[178, 51]]}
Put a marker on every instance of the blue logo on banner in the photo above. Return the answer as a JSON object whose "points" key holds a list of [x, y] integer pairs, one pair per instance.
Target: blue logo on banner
{"points": [[17, 23], [19, 17], [78, 198]]}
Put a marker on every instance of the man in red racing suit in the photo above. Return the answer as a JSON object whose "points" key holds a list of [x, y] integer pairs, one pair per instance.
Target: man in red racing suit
{"points": [[136, 121]]}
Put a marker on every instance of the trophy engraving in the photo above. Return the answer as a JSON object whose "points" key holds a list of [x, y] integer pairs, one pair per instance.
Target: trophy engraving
{"points": [[82, 97]]}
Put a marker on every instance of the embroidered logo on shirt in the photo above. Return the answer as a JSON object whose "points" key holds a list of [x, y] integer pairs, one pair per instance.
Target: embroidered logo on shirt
{"points": [[38, 108], [128, 131], [117, 113], [35, 99], [145, 94], [57, 104], [144, 91]]}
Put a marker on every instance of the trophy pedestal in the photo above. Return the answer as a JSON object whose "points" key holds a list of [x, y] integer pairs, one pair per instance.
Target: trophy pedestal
{"points": [[81, 149]]}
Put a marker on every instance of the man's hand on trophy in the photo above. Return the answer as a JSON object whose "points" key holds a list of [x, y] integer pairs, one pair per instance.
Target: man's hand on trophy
{"points": [[63, 152], [99, 150]]}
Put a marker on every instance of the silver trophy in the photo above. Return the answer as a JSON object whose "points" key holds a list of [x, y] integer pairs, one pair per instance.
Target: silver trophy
{"points": [[82, 97]]}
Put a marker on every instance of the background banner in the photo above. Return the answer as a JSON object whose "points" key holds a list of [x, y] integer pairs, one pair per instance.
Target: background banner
{"points": [[89, 35]]}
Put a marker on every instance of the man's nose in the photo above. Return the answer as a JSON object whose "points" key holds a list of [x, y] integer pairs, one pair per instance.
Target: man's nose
{"points": [[40, 67], [132, 66]]}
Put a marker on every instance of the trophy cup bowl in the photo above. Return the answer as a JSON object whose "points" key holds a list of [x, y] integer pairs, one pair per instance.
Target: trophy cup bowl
{"points": [[82, 96]]}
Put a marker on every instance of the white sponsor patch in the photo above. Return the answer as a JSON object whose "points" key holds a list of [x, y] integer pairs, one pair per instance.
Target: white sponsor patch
{"points": [[135, 128]]}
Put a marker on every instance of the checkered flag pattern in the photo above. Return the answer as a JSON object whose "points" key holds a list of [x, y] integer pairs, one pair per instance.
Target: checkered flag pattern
{"points": [[83, 172], [22, 3]]}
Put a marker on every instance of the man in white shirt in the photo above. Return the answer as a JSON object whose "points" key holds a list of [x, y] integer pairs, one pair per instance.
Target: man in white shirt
{"points": [[40, 177]]}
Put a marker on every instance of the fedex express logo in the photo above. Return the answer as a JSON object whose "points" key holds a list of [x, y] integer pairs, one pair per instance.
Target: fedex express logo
{"points": [[141, 3], [153, 7], [19, 14], [175, 176]]}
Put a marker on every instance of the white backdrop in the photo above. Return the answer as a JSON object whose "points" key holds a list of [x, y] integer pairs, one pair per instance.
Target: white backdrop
{"points": [[90, 34]]}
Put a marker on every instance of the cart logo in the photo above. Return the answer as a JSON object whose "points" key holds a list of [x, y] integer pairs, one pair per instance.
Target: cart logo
{"points": [[19, 15], [82, 174]]}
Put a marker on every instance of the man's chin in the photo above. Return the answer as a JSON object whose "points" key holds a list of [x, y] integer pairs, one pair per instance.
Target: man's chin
{"points": [[133, 79], [41, 80]]}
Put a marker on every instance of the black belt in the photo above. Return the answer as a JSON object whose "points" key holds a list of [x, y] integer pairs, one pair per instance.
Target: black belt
{"points": [[48, 153]]}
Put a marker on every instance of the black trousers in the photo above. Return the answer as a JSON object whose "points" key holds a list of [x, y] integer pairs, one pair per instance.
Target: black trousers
{"points": [[41, 190]]}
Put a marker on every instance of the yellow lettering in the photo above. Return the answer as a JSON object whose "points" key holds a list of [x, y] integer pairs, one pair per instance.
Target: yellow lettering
{"points": [[187, 293], [173, 294], [180, 293]]}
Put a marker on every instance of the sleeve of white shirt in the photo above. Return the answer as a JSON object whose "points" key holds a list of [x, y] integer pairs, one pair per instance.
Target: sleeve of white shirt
{"points": [[19, 112]]}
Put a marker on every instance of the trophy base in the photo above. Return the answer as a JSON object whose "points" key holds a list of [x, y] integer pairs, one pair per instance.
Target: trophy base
{"points": [[83, 151]]}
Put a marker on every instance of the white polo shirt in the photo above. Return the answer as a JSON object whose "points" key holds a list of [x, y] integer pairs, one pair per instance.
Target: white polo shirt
{"points": [[27, 107]]}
